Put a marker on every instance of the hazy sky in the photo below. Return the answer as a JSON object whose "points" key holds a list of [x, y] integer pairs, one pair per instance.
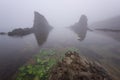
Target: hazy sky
{"points": [[59, 13]]}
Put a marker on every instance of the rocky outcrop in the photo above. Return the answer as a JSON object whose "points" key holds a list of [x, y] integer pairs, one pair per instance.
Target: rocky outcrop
{"points": [[81, 27], [83, 21], [2, 33], [75, 67], [20, 32], [81, 24], [40, 26], [40, 23]]}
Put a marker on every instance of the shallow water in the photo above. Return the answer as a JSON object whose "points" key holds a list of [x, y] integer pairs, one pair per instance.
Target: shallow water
{"points": [[15, 51]]}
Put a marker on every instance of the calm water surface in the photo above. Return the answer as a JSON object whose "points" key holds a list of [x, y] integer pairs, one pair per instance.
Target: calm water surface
{"points": [[15, 51]]}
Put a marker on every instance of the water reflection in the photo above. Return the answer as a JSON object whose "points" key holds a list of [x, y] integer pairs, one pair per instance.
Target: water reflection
{"points": [[93, 45], [23, 48], [41, 37], [81, 34]]}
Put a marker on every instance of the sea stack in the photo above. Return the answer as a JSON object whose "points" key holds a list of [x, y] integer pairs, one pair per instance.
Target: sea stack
{"points": [[81, 27], [40, 23], [83, 21], [41, 28], [81, 24]]}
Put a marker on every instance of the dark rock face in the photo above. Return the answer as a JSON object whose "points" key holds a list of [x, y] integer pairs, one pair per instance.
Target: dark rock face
{"points": [[81, 27], [41, 28], [40, 23], [83, 21]]}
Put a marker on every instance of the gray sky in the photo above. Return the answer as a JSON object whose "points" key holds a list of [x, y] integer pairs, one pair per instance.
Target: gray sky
{"points": [[59, 13]]}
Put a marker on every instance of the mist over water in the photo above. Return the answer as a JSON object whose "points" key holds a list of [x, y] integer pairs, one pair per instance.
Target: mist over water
{"points": [[33, 25], [59, 13]]}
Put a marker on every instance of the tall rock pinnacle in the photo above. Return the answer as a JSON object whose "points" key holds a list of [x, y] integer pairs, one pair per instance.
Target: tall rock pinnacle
{"points": [[83, 21], [40, 23], [81, 27]]}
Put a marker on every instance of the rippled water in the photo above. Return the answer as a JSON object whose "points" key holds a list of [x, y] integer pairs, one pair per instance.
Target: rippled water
{"points": [[15, 51]]}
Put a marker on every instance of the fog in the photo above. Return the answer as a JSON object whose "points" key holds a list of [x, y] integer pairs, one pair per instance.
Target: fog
{"points": [[59, 13]]}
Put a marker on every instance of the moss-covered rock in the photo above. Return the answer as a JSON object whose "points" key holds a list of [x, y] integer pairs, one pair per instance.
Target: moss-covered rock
{"points": [[75, 67]]}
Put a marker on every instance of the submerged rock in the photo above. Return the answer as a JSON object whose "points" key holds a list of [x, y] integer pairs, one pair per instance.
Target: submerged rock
{"points": [[75, 67]]}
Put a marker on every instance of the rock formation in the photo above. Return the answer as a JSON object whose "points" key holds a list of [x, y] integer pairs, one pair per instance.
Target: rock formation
{"points": [[40, 23], [83, 21], [81, 24], [2, 33], [81, 27], [20, 32], [75, 67], [40, 26]]}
